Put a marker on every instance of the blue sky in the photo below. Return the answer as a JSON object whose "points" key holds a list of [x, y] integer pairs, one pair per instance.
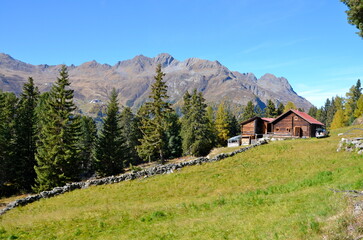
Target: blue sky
{"points": [[307, 41]]}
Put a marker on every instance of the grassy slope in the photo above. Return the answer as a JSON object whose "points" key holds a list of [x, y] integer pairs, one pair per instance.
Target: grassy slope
{"points": [[276, 191]]}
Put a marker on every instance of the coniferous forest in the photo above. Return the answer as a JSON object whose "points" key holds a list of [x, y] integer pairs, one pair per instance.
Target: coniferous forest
{"points": [[45, 142]]}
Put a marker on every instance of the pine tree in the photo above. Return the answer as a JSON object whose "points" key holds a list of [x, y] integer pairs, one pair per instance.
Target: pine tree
{"points": [[313, 111], [330, 111], [259, 112], [87, 144], [212, 125], [351, 102], [196, 131], [57, 155], [289, 105], [131, 135], [26, 136], [154, 121], [280, 109], [8, 146], [109, 149], [222, 125], [270, 109], [174, 147], [234, 127], [249, 111]]}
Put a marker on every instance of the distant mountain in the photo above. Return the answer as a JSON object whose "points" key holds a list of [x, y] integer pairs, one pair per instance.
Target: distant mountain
{"points": [[132, 78]]}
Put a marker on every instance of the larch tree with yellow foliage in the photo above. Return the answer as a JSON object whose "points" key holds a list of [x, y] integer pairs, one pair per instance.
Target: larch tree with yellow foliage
{"points": [[289, 105], [222, 125], [338, 119]]}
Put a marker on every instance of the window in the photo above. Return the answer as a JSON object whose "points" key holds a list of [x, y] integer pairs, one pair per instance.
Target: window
{"points": [[288, 129], [277, 129], [296, 118]]}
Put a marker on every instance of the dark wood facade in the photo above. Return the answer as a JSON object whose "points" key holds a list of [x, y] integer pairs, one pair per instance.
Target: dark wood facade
{"points": [[295, 124], [292, 123], [256, 126]]}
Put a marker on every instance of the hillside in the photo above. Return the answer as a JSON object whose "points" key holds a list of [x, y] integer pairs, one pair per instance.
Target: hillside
{"points": [[132, 78], [275, 191]]}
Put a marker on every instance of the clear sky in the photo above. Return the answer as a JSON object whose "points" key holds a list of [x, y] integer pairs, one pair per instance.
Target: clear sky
{"points": [[307, 41]]}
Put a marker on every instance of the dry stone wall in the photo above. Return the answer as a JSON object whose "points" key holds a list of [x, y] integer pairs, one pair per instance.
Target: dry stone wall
{"points": [[148, 172], [351, 145]]}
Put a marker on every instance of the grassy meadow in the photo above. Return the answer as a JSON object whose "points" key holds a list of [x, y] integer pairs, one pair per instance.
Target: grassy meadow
{"points": [[276, 191]]}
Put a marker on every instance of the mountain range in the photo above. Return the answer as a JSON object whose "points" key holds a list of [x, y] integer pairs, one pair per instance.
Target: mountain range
{"points": [[133, 78]]}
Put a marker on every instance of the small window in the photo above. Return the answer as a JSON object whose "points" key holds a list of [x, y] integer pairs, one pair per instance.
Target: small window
{"points": [[296, 118], [288, 129], [277, 129]]}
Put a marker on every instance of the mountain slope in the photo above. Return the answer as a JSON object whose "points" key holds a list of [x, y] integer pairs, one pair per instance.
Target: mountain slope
{"points": [[276, 191], [132, 78]]}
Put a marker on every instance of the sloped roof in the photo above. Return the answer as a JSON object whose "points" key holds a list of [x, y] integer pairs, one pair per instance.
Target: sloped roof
{"points": [[268, 119], [303, 115], [252, 119]]}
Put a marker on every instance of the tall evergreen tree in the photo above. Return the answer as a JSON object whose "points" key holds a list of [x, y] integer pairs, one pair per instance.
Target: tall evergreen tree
{"points": [[270, 109], [131, 135], [313, 111], [109, 148], [212, 125], [234, 127], [280, 109], [196, 131], [249, 111], [26, 135], [8, 149], [174, 146], [351, 102], [87, 145], [57, 155], [154, 121], [222, 125]]}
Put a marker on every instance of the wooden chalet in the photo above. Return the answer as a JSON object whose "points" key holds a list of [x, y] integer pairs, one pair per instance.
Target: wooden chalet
{"points": [[294, 123], [254, 128]]}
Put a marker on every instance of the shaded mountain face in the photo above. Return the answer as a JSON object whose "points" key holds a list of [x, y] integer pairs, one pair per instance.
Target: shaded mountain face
{"points": [[132, 78]]}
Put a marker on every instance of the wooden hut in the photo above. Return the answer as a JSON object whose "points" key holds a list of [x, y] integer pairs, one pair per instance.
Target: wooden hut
{"points": [[255, 127], [294, 123]]}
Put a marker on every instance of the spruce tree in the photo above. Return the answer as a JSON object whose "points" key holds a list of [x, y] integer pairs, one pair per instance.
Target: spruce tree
{"points": [[270, 109], [222, 125], [154, 121], [87, 144], [8, 148], [249, 111], [174, 145], [57, 155], [280, 109], [313, 111], [26, 136], [130, 134], [109, 150], [234, 127], [196, 131]]}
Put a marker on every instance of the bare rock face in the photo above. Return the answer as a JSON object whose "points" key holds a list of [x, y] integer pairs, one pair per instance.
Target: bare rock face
{"points": [[133, 77]]}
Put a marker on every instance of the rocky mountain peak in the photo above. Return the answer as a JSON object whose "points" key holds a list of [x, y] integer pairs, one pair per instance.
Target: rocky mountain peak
{"points": [[133, 77], [274, 83], [164, 59]]}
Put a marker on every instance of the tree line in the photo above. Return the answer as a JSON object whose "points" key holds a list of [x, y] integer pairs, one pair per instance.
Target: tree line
{"points": [[45, 142], [339, 111]]}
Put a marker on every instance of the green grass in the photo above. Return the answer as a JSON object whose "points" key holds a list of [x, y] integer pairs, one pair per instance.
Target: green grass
{"points": [[275, 191]]}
